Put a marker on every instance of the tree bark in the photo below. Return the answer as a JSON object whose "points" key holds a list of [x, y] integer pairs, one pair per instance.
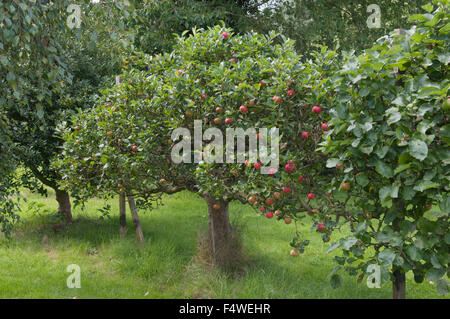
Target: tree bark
{"points": [[399, 285], [122, 215], [136, 221], [65, 209], [220, 230]]}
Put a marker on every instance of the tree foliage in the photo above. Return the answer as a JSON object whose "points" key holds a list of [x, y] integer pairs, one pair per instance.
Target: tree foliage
{"points": [[390, 135], [338, 24]]}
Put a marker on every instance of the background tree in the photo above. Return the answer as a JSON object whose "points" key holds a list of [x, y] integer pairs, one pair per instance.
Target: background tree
{"points": [[336, 24], [7, 185], [49, 72], [158, 22]]}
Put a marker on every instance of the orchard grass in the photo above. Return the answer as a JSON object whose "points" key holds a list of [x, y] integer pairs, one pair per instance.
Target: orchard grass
{"points": [[33, 263]]}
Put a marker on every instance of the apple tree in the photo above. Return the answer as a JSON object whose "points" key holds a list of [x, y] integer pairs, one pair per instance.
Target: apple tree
{"points": [[129, 143], [388, 146]]}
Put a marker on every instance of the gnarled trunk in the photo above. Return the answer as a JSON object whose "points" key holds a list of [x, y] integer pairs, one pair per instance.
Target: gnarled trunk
{"points": [[65, 209], [399, 285], [220, 231]]}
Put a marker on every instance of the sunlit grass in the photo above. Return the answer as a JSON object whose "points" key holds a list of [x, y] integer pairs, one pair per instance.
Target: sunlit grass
{"points": [[33, 264]]}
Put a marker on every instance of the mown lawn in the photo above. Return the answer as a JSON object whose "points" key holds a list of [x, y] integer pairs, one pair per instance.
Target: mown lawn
{"points": [[32, 266]]}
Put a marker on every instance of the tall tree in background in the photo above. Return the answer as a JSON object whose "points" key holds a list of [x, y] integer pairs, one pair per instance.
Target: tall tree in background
{"points": [[158, 21], [338, 23], [48, 72]]}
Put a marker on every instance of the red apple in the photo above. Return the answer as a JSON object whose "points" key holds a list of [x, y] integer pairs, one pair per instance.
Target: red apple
{"points": [[179, 72], [300, 179], [261, 209], [270, 201], [321, 227], [228, 121], [77, 128], [277, 195], [277, 99], [289, 168], [294, 253], [225, 35], [272, 171], [305, 135], [316, 109], [219, 109], [287, 220], [204, 96], [290, 92], [217, 120], [269, 215], [134, 148], [345, 186], [233, 60], [287, 190], [251, 103], [216, 206], [324, 126], [277, 212], [257, 165], [243, 109], [310, 195]]}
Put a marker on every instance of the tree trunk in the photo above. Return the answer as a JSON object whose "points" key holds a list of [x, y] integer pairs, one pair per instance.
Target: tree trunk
{"points": [[65, 209], [220, 231], [136, 221], [122, 215], [399, 285]]}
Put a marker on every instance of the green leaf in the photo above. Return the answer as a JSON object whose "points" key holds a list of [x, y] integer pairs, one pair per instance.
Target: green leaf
{"points": [[424, 185], [413, 253], [348, 242], [384, 169], [333, 247], [386, 257], [444, 205], [428, 7], [401, 168], [386, 191], [332, 162], [435, 274], [362, 179], [418, 149]]}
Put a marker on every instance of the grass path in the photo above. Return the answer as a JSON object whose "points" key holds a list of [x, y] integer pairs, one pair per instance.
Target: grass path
{"points": [[32, 266]]}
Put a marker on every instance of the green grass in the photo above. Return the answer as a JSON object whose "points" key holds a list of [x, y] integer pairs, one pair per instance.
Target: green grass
{"points": [[112, 267]]}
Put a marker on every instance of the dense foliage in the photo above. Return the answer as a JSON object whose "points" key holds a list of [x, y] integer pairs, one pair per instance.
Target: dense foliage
{"points": [[340, 24], [390, 137], [50, 71]]}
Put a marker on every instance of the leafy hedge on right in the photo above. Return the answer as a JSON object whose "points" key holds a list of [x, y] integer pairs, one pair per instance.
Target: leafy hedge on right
{"points": [[389, 147]]}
